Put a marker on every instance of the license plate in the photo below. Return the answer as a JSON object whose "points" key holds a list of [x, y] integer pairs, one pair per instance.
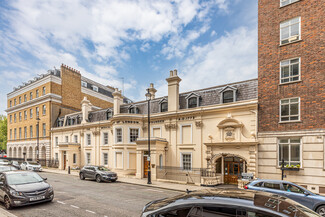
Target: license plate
{"points": [[37, 198]]}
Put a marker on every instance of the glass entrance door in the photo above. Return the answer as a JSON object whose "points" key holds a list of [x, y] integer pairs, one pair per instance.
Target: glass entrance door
{"points": [[233, 168]]}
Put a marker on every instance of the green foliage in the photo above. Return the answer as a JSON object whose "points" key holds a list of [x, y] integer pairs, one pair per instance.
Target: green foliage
{"points": [[3, 132]]}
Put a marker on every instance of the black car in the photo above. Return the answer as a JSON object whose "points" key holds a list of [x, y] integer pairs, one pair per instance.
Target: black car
{"points": [[19, 188], [226, 202], [98, 173]]}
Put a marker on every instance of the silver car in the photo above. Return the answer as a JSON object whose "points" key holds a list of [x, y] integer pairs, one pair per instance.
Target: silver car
{"points": [[33, 166], [295, 192]]}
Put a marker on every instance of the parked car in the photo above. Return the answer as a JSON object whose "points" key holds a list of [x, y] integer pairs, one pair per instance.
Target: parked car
{"points": [[15, 164], [226, 202], [34, 166], [4, 168], [19, 188], [4, 162], [99, 173], [295, 192]]}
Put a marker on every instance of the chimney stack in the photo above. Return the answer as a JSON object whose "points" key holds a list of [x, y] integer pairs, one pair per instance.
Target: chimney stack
{"points": [[173, 91], [152, 91], [118, 101], [86, 107]]}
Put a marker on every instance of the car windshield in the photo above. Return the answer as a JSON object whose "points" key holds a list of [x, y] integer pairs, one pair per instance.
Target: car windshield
{"points": [[2, 169], [33, 163], [23, 178], [102, 169]]}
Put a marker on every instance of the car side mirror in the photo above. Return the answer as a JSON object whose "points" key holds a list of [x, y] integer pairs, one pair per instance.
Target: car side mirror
{"points": [[44, 179], [306, 193]]}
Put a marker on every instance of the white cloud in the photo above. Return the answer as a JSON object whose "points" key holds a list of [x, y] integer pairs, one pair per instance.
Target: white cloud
{"points": [[229, 58]]}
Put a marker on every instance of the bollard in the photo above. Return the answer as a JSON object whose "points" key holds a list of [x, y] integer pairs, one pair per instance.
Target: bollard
{"points": [[68, 169]]}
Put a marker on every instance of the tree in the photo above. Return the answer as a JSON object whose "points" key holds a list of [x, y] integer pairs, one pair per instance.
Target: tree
{"points": [[3, 132]]}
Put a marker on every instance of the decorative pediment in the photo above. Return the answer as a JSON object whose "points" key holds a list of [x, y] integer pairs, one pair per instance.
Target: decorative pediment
{"points": [[228, 88], [163, 100], [230, 122], [192, 95]]}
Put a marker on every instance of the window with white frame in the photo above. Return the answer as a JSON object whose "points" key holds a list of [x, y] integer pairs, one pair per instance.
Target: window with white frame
{"points": [[15, 118], [37, 112], [31, 131], [25, 115], [134, 134], [75, 138], [44, 129], [20, 116], [228, 96], [74, 158], [105, 158], [88, 158], [66, 139], [105, 138], [192, 102], [88, 139], [164, 106], [290, 70], [25, 98], [290, 30], [289, 151], [37, 93], [286, 2], [83, 84], [118, 135], [56, 141], [289, 109], [95, 88], [25, 132], [44, 109], [186, 161], [31, 113], [30, 95]]}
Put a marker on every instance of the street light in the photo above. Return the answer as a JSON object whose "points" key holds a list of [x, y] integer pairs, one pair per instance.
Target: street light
{"points": [[148, 96], [37, 139]]}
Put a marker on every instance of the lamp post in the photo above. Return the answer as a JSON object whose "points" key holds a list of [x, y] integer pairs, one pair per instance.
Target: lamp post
{"points": [[37, 139], [148, 95]]}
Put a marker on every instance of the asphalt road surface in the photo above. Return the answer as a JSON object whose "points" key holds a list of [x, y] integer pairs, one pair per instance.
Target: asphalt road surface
{"points": [[75, 197]]}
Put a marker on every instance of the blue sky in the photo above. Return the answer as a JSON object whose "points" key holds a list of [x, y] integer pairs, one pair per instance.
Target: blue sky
{"points": [[208, 42]]}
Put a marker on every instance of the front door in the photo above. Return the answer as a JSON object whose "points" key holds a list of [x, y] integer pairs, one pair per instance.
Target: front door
{"points": [[145, 166], [64, 160], [233, 169]]}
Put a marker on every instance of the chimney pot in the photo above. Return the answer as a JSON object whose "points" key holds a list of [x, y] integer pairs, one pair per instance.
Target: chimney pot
{"points": [[171, 73], [175, 72], [151, 85]]}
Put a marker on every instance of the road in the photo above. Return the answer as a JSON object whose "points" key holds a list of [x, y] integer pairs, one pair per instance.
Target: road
{"points": [[75, 197]]}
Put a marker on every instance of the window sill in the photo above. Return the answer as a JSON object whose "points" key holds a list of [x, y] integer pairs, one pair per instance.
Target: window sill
{"points": [[290, 82], [288, 122], [281, 45], [288, 4]]}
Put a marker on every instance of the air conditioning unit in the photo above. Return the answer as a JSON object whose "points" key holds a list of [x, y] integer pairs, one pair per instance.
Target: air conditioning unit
{"points": [[294, 38]]}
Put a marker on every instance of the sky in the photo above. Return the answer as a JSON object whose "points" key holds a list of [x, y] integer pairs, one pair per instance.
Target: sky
{"points": [[129, 43]]}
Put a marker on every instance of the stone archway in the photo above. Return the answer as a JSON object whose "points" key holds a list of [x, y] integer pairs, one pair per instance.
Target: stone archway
{"points": [[19, 152], [14, 152], [10, 152], [43, 153]]}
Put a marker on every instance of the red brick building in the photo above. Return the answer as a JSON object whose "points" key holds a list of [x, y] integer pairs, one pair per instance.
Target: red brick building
{"points": [[291, 92]]}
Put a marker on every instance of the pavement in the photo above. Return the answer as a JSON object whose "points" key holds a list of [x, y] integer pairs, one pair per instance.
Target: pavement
{"points": [[136, 181]]}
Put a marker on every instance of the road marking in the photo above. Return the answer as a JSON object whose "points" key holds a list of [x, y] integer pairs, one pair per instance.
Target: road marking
{"points": [[90, 211], [60, 202], [153, 190], [74, 206]]}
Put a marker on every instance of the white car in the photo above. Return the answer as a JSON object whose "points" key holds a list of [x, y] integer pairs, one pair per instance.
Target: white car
{"points": [[33, 166]]}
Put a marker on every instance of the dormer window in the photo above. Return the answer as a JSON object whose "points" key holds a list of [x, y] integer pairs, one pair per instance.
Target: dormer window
{"points": [[109, 114], [228, 94], [133, 110], [163, 105], [192, 100], [95, 88], [83, 84]]}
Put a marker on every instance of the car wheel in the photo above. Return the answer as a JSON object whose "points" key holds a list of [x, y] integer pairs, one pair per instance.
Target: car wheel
{"points": [[321, 210], [82, 177], [7, 203], [98, 179]]}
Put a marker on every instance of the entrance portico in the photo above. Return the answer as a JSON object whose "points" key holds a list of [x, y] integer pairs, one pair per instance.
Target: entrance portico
{"points": [[158, 148], [69, 155]]}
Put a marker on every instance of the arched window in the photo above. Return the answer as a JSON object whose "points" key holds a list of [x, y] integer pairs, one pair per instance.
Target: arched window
{"points": [[228, 96], [192, 102]]}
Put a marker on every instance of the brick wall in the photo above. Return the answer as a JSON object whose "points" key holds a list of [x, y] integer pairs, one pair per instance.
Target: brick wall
{"points": [[71, 87], [311, 50]]}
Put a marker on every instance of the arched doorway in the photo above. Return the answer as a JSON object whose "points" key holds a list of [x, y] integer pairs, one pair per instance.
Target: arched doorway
{"points": [[10, 152], [231, 167], [43, 153], [30, 153], [19, 152], [24, 153], [14, 152]]}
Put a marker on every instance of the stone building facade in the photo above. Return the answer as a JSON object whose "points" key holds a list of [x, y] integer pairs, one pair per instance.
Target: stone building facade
{"points": [[291, 93], [212, 129], [47, 97]]}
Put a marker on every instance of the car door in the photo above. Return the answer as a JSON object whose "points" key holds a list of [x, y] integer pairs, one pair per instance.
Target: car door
{"points": [[85, 172], [297, 194], [2, 186], [92, 173]]}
